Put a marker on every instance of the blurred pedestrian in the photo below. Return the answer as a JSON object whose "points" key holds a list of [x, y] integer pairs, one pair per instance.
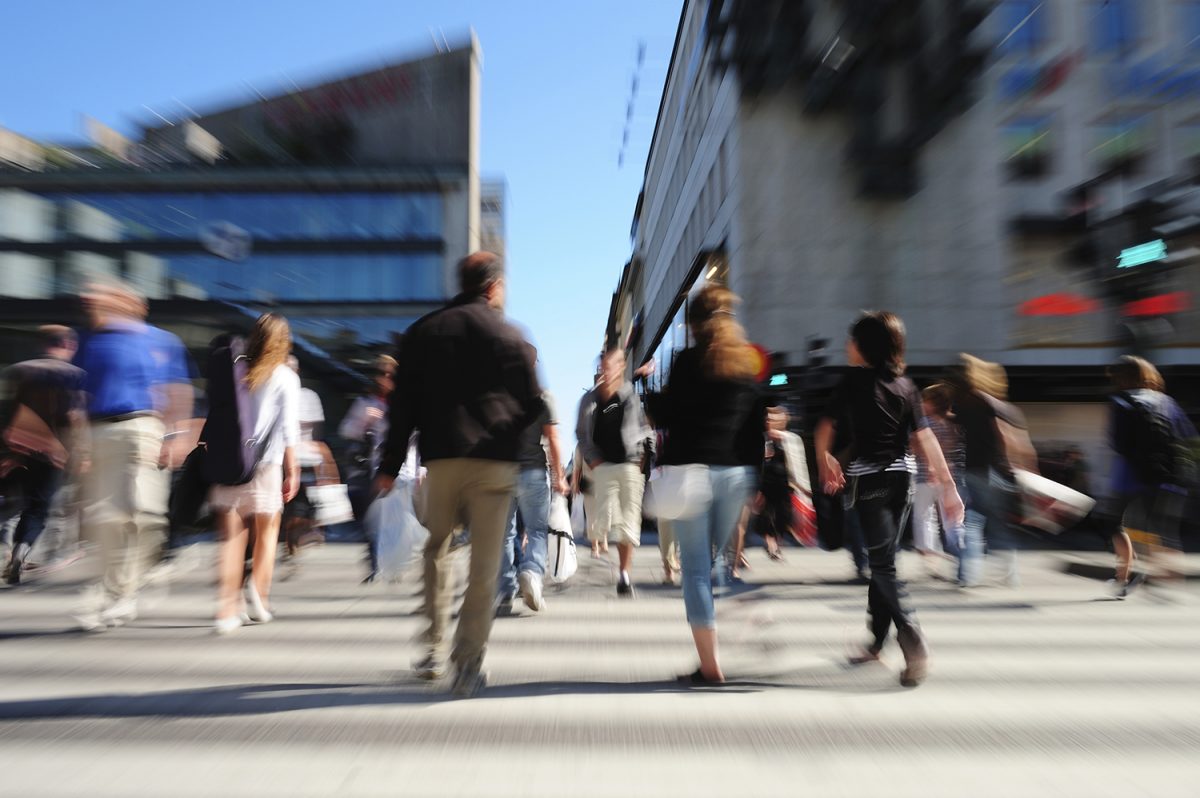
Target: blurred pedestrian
{"points": [[250, 513], [612, 435], [708, 402], [365, 427], [317, 467], [1152, 438], [138, 394], [468, 387], [783, 475], [995, 441], [929, 517], [539, 479], [42, 422], [882, 410]]}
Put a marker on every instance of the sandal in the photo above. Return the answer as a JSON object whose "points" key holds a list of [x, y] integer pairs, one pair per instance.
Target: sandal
{"points": [[698, 678]]}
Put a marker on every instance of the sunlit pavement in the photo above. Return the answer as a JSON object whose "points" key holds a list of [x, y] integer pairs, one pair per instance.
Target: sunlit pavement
{"points": [[1047, 689]]}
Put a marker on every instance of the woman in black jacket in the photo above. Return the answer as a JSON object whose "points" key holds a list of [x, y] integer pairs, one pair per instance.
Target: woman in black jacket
{"points": [[881, 409], [709, 400]]}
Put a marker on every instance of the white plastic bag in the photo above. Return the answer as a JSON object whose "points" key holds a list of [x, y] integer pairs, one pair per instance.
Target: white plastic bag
{"points": [[562, 561], [398, 536]]}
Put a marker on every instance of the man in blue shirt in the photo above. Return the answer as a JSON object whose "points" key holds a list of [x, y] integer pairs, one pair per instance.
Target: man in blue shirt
{"points": [[136, 391]]}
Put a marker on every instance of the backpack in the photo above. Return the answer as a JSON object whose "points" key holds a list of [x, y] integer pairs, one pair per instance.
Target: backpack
{"points": [[232, 452], [1150, 444]]}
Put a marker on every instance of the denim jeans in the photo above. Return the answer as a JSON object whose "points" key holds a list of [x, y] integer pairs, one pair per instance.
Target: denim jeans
{"points": [[702, 535], [882, 502], [41, 482], [853, 534], [533, 500], [987, 521]]}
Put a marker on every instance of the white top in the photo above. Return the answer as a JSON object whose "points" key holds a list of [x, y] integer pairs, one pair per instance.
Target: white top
{"points": [[277, 398], [311, 412]]}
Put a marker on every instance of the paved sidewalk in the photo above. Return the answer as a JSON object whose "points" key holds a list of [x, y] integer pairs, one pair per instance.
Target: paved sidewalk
{"points": [[1048, 689]]}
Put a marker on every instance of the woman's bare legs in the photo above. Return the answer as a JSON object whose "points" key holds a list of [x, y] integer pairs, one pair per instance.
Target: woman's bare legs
{"points": [[231, 563]]}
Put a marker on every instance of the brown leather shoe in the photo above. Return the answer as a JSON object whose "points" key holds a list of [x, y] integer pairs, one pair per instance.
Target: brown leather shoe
{"points": [[916, 656]]}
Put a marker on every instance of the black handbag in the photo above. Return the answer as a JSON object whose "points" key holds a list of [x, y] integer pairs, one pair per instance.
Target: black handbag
{"points": [[189, 491]]}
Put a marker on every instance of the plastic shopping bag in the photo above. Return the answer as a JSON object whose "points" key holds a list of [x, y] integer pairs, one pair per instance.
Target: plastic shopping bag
{"points": [[393, 526], [561, 560]]}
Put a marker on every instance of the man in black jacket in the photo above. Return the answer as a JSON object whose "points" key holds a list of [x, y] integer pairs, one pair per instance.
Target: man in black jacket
{"points": [[466, 384]]}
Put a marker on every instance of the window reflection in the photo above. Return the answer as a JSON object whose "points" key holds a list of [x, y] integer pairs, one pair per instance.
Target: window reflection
{"points": [[322, 277], [266, 216]]}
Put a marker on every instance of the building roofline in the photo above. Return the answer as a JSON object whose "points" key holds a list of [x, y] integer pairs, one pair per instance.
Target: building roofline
{"points": [[277, 90]]}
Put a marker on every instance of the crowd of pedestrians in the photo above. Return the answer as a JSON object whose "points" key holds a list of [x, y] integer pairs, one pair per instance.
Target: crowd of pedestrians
{"points": [[461, 414]]}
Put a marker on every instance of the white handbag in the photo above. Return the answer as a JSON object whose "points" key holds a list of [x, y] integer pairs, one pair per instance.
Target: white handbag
{"points": [[678, 491], [330, 503]]}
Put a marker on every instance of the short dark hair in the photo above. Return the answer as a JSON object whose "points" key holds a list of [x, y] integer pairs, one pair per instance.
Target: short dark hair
{"points": [[58, 336], [478, 272], [879, 336]]}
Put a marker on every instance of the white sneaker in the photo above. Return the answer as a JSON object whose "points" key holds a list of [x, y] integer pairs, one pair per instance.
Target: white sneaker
{"points": [[530, 588], [121, 612], [255, 609], [224, 626]]}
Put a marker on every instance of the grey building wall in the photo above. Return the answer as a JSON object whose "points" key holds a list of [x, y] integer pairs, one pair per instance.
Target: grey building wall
{"points": [[811, 253]]}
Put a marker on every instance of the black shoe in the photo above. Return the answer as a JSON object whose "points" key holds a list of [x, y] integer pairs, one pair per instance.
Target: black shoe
{"points": [[12, 574], [916, 655], [625, 589], [863, 577], [1135, 581], [504, 608]]}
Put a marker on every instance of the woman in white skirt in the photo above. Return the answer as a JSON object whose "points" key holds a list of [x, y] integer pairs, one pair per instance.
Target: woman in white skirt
{"points": [[257, 505]]}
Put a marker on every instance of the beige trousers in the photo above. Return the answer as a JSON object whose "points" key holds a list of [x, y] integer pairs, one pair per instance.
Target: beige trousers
{"points": [[125, 500], [618, 488], [476, 494]]}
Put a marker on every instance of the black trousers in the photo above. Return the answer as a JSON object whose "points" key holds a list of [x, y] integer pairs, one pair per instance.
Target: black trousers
{"points": [[39, 484], [882, 502]]}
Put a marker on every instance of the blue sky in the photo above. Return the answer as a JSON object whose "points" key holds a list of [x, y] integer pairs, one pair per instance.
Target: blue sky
{"points": [[556, 80]]}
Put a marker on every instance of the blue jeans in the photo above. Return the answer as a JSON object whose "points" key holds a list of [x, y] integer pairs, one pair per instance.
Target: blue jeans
{"points": [[986, 522], [710, 532], [533, 500]]}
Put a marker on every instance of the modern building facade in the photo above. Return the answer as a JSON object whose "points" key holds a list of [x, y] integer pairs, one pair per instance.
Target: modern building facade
{"points": [[344, 205], [978, 168]]}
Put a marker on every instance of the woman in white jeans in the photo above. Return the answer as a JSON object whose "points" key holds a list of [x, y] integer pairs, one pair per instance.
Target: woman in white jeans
{"points": [[709, 400], [257, 505]]}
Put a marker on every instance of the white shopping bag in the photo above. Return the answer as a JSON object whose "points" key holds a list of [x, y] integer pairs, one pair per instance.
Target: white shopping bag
{"points": [[398, 536], [561, 558], [1049, 506]]}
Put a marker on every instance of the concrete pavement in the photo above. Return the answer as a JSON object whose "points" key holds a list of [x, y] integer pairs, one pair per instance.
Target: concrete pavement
{"points": [[1048, 689]]}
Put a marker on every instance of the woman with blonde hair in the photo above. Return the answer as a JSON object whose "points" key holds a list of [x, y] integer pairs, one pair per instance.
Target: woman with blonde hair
{"points": [[995, 440], [254, 508], [709, 399]]}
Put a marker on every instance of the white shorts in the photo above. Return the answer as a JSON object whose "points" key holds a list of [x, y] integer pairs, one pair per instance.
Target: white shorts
{"points": [[262, 495]]}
